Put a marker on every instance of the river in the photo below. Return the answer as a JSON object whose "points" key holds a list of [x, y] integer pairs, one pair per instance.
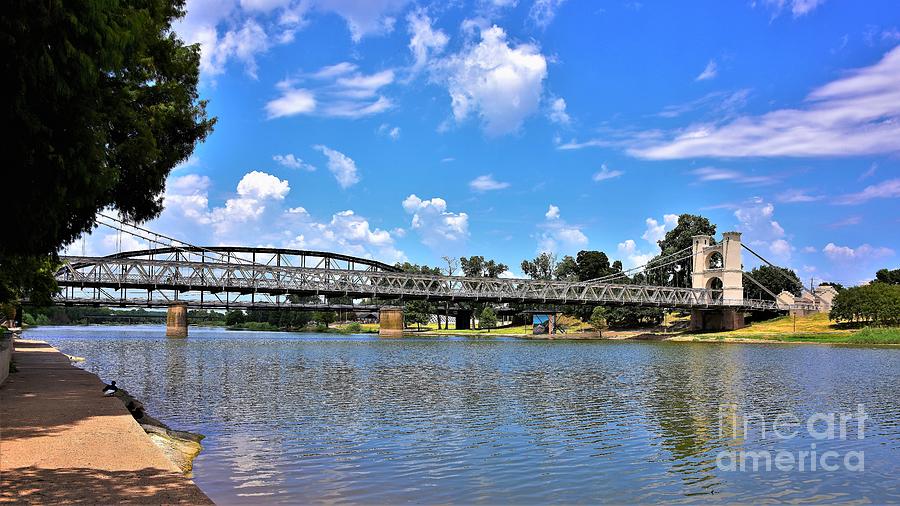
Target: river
{"points": [[359, 419]]}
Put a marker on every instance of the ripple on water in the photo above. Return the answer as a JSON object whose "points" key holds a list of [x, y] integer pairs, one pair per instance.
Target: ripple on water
{"points": [[311, 418]]}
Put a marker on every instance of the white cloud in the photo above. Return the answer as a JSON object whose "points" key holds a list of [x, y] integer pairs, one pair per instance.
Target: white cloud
{"points": [[292, 101], [709, 72], [342, 166], [656, 231], [556, 234], [487, 183], [863, 252], [558, 112], [292, 162], [888, 189], [756, 220], [633, 257], [798, 8], [260, 186], [605, 173], [501, 84], [858, 114], [795, 195], [542, 12], [425, 42], [436, 226], [366, 17], [341, 92], [391, 131], [708, 174]]}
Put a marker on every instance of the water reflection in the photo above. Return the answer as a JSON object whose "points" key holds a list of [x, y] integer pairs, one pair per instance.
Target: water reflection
{"points": [[308, 418]]}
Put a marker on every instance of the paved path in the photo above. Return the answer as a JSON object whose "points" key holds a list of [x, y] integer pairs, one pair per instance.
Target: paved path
{"points": [[61, 441]]}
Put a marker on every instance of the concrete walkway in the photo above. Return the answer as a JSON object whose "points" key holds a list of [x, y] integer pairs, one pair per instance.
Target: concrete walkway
{"points": [[61, 441]]}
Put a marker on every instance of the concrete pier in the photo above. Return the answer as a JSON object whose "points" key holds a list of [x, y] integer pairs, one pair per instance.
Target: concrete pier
{"points": [[716, 319], [390, 321], [176, 320], [63, 442]]}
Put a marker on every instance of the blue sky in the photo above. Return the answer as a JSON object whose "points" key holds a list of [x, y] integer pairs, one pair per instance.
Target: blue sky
{"points": [[407, 131]]}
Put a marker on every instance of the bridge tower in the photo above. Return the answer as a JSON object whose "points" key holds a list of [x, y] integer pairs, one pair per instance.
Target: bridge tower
{"points": [[718, 267], [176, 320]]}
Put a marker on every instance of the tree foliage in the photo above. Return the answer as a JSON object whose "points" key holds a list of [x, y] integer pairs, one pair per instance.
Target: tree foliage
{"points": [[776, 279], [877, 303], [100, 104], [418, 312], [488, 318], [542, 267], [478, 267], [567, 269], [598, 318], [891, 277]]}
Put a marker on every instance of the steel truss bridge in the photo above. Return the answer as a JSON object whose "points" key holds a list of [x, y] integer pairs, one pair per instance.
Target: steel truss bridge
{"points": [[240, 277]]}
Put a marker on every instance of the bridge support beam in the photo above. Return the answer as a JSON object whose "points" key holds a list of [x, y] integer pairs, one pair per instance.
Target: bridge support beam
{"points": [[716, 319], [463, 319], [390, 321], [176, 320]]}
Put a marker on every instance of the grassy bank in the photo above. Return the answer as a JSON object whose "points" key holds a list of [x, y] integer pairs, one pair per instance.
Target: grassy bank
{"points": [[816, 328]]}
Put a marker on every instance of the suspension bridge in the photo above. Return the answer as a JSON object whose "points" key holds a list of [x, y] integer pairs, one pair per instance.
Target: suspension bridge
{"points": [[179, 275]]}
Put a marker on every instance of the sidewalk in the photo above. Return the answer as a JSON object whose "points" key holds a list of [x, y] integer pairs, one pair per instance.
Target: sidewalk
{"points": [[61, 441]]}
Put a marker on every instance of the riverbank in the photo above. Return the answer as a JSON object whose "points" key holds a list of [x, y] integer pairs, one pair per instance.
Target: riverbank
{"points": [[62, 441]]}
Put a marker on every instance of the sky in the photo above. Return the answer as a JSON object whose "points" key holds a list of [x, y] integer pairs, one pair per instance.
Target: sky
{"points": [[405, 131]]}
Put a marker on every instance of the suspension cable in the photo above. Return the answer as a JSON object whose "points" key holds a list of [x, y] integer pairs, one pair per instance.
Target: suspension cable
{"points": [[640, 267], [782, 274]]}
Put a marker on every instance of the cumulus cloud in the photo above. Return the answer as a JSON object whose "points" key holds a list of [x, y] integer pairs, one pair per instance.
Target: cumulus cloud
{"points": [[552, 212], [292, 162], [425, 42], [500, 83], [633, 256], [341, 166], [863, 252], [656, 231], [437, 227], [292, 101], [555, 234], [390, 131], [858, 114], [557, 113], [709, 72], [487, 183], [369, 17], [756, 220], [605, 173]]}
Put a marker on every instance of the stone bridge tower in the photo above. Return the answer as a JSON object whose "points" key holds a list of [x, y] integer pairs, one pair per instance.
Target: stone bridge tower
{"points": [[718, 267]]}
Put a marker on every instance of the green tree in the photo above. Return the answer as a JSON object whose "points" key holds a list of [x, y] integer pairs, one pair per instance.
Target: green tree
{"points": [[567, 269], [478, 267], [891, 277], [776, 279], [877, 303], [542, 267], [592, 265], [234, 318], [487, 319], [837, 286], [418, 312], [100, 104], [598, 318]]}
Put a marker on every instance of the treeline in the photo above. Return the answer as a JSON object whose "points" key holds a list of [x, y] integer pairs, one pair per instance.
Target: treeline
{"points": [[877, 303], [83, 315]]}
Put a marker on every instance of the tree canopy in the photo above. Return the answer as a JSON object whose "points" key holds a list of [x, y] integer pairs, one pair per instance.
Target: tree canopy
{"points": [[675, 240], [776, 279], [891, 277], [478, 267], [877, 303], [100, 104], [542, 267]]}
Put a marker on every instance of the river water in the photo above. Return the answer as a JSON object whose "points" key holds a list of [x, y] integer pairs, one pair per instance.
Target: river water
{"points": [[358, 419]]}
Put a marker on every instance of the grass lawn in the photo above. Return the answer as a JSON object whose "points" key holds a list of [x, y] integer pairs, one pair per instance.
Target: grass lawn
{"points": [[816, 328]]}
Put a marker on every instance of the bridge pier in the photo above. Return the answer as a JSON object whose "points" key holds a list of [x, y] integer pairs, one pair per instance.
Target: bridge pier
{"points": [[463, 319], [716, 319], [176, 320], [390, 320]]}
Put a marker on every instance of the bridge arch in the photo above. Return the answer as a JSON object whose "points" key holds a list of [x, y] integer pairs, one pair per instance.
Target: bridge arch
{"points": [[718, 261], [715, 283], [715, 260]]}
